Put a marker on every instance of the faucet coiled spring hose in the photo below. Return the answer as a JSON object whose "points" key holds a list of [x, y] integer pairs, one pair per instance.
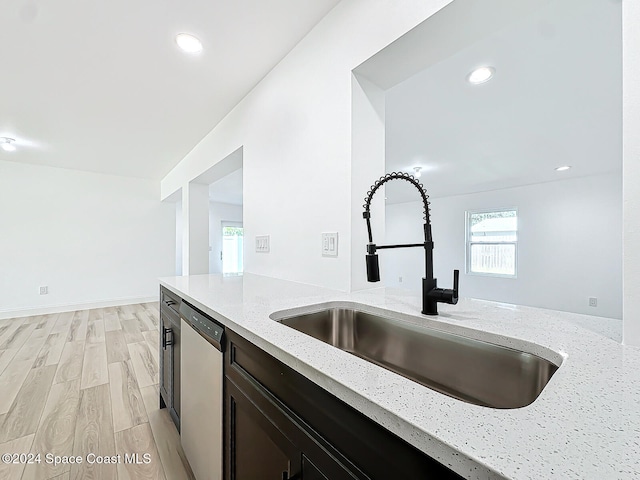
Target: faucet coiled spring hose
{"points": [[384, 179]]}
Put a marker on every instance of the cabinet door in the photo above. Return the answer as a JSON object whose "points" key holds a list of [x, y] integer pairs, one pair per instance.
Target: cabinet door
{"points": [[175, 370], [339, 443], [255, 447], [165, 362], [310, 471], [169, 359]]}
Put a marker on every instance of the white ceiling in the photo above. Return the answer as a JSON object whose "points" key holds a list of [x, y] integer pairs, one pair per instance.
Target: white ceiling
{"points": [[101, 86], [556, 99]]}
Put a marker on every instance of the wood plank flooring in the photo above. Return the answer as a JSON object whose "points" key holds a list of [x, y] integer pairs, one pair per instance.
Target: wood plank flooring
{"points": [[81, 383]]}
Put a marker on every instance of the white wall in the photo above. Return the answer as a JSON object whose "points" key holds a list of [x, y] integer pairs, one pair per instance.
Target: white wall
{"points": [[218, 213], [569, 248], [295, 127], [631, 167], [93, 239], [195, 229]]}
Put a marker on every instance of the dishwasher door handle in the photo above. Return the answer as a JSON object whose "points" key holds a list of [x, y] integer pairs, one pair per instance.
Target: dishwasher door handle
{"points": [[166, 341]]}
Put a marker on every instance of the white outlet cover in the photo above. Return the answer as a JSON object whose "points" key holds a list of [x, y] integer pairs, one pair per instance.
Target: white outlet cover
{"points": [[263, 244], [330, 244]]}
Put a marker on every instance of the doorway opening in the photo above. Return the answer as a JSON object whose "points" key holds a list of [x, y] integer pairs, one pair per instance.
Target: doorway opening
{"points": [[226, 234], [232, 244]]}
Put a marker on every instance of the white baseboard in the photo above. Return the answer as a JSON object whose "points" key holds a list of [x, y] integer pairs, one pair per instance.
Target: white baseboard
{"points": [[44, 310]]}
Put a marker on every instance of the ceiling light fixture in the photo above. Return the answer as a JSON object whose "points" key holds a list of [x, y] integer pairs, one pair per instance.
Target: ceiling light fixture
{"points": [[563, 168], [7, 144], [481, 75], [416, 171], [188, 43]]}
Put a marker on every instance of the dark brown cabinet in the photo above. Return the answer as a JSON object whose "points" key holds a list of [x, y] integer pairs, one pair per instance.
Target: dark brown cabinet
{"points": [[280, 425], [261, 437], [260, 450], [169, 355]]}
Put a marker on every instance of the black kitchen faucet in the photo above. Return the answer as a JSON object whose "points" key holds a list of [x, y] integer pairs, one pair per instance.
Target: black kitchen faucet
{"points": [[431, 294]]}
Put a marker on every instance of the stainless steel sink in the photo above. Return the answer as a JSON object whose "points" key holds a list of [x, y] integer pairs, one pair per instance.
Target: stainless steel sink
{"points": [[467, 369]]}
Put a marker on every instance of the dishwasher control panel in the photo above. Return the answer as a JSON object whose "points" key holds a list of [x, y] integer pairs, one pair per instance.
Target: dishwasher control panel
{"points": [[204, 324]]}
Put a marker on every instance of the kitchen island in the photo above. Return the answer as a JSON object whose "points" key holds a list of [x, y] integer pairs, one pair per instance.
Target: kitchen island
{"points": [[585, 423]]}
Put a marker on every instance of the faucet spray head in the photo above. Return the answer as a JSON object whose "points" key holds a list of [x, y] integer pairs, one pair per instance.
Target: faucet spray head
{"points": [[373, 268]]}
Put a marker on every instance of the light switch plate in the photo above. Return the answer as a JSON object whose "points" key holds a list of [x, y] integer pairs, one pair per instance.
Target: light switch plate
{"points": [[263, 244], [330, 244]]}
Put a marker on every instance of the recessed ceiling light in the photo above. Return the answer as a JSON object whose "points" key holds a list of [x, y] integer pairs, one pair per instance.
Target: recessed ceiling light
{"points": [[563, 168], [188, 43], [7, 144], [481, 75]]}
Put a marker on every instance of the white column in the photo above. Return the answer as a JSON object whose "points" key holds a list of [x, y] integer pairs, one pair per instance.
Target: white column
{"points": [[631, 170], [367, 166], [179, 235], [195, 229]]}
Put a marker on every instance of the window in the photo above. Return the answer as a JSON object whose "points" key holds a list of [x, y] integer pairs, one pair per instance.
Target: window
{"points": [[232, 239], [492, 241]]}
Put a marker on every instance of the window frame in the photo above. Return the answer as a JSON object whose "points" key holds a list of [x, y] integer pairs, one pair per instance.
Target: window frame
{"points": [[469, 243]]}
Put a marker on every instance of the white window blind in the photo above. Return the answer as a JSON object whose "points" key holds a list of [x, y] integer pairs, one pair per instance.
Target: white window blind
{"points": [[492, 242]]}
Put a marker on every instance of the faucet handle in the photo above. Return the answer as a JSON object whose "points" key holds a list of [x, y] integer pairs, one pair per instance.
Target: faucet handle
{"points": [[456, 279], [442, 295], [452, 295]]}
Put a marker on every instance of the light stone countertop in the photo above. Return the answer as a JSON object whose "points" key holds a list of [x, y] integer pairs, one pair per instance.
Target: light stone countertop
{"points": [[584, 425]]}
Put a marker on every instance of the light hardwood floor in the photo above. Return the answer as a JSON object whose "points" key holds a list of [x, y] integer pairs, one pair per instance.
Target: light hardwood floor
{"points": [[85, 384]]}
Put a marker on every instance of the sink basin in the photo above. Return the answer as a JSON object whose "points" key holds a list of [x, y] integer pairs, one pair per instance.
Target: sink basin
{"points": [[470, 370]]}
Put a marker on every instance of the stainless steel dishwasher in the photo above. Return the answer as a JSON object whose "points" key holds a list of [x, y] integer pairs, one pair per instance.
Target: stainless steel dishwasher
{"points": [[201, 372]]}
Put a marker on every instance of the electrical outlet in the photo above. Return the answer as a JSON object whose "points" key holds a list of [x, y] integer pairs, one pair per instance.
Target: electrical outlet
{"points": [[263, 244], [593, 302], [44, 290], [330, 244]]}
